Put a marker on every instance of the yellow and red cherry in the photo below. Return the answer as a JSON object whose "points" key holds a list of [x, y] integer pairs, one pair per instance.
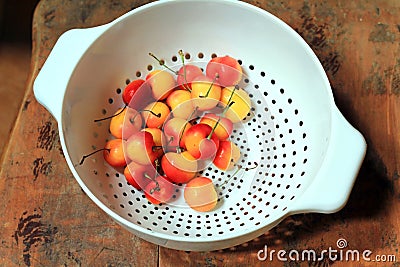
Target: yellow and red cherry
{"points": [[131, 89], [227, 70], [138, 175], [139, 148], [200, 194], [113, 153], [159, 190], [237, 103], [180, 103], [224, 128], [125, 122], [174, 132], [179, 167], [205, 93], [228, 154], [162, 83], [157, 135], [201, 141], [186, 74], [155, 114]]}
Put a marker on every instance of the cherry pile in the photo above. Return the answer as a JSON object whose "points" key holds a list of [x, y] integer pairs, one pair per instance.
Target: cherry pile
{"points": [[176, 123]]}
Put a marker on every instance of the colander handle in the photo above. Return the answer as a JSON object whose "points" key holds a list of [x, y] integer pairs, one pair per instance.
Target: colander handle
{"points": [[51, 82], [330, 189]]}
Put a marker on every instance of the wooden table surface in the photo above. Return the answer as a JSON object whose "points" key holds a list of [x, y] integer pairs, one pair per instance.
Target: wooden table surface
{"points": [[49, 221]]}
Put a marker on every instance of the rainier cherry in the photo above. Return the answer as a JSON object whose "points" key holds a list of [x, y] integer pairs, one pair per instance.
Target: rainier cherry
{"points": [[157, 138], [138, 175], [224, 128], [227, 155], [227, 70], [125, 122], [159, 190], [186, 74], [237, 103], [162, 83], [131, 89], [114, 153], [155, 114], [139, 148], [180, 103], [201, 141], [200, 194], [174, 131], [205, 93], [179, 167]]}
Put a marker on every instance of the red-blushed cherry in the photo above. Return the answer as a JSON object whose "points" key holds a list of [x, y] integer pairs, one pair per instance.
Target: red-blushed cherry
{"points": [[157, 135], [139, 175], [200, 194], [155, 114], [131, 89], [139, 148], [228, 154], [205, 93], [125, 122], [179, 167], [113, 153], [227, 70], [159, 190], [201, 141], [180, 103], [174, 131], [236, 102], [224, 128], [162, 83], [186, 74]]}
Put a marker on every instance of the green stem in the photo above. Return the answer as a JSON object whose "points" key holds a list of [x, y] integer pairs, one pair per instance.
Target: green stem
{"points": [[239, 167], [162, 63], [147, 176], [213, 129], [180, 52], [233, 175], [229, 103], [184, 127], [211, 85]]}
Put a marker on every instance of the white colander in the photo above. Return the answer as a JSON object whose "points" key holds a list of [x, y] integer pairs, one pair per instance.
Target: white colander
{"points": [[307, 154]]}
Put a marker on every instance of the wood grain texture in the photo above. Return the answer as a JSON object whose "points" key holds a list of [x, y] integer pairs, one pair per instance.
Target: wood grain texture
{"points": [[48, 220]]}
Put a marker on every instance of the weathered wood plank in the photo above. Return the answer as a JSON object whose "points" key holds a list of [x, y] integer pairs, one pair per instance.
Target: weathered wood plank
{"points": [[47, 218]]}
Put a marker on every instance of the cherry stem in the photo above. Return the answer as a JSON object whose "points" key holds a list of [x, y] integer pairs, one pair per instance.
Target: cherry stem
{"points": [[158, 167], [158, 115], [112, 116], [180, 52], [92, 153], [213, 129], [147, 176], [211, 85], [155, 148], [162, 63], [178, 149], [236, 87], [227, 107], [239, 167], [156, 188]]}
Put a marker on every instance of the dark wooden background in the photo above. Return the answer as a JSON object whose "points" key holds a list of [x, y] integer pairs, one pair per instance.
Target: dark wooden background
{"points": [[48, 221]]}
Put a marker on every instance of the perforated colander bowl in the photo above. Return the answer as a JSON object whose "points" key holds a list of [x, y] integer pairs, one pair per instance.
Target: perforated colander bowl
{"points": [[307, 155]]}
